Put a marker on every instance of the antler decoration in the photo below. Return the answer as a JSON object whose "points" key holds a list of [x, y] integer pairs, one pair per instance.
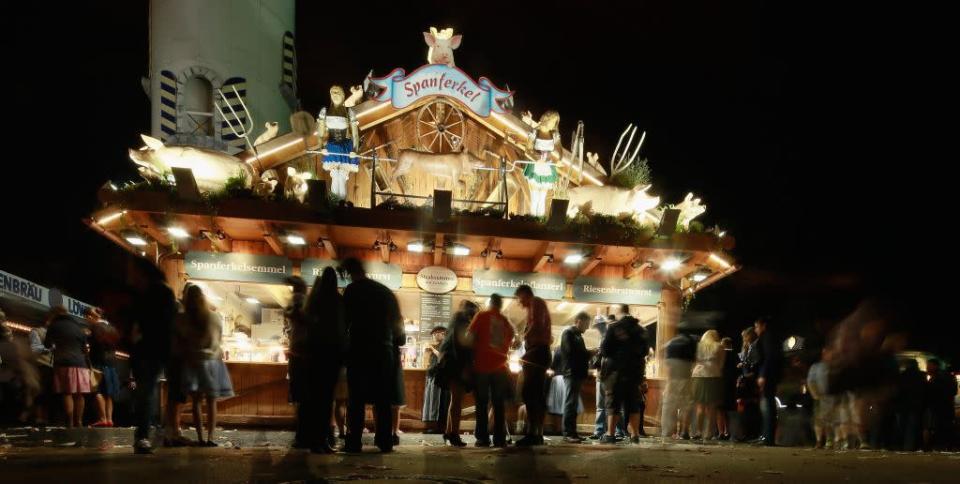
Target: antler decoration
{"points": [[626, 159]]}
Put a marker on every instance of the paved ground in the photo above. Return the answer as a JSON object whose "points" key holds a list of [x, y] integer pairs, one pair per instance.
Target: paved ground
{"points": [[105, 456]]}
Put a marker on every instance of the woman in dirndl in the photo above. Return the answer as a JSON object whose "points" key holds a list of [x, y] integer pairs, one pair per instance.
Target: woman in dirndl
{"points": [[204, 373], [337, 128], [541, 175], [71, 368]]}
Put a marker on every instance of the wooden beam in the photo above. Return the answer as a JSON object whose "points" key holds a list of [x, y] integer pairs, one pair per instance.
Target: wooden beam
{"points": [[327, 242], [274, 243], [438, 249], [492, 247], [542, 256], [631, 272], [329, 247], [146, 223], [636, 266], [270, 235], [384, 238], [595, 259], [110, 235], [221, 245]]}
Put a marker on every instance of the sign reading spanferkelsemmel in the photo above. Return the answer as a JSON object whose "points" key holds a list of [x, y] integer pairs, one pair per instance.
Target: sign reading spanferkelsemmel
{"points": [[546, 286], [616, 291], [269, 269]]}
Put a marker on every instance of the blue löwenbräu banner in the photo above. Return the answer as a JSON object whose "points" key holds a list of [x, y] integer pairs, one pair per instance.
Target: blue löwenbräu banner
{"points": [[616, 291], [544, 285], [389, 275], [267, 269], [402, 90]]}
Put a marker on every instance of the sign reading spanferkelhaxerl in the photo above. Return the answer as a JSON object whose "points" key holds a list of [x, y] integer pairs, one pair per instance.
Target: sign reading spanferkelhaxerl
{"points": [[402, 90], [269, 269], [546, 286]]}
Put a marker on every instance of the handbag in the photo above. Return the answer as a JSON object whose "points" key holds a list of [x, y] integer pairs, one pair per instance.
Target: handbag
{"points": [[96, 376]]}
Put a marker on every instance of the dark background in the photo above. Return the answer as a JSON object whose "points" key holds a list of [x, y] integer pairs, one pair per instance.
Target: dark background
{"points": [[803, 127]]}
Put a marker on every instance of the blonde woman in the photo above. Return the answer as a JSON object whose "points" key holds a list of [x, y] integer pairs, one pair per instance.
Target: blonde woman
{"points": [[541, 175], [708, 383]]}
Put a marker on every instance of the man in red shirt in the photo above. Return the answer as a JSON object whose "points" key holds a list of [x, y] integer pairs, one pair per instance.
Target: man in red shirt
{"points": [[536, 359], [492, 336]]}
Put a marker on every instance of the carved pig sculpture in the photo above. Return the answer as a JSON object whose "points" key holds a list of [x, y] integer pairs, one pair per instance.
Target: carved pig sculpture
{"points": [[615, 201], [210, 168], [442, 44], [451, 166]]}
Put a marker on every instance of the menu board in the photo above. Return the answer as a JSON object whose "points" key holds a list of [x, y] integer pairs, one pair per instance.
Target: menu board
{"points": [[435, 310]]}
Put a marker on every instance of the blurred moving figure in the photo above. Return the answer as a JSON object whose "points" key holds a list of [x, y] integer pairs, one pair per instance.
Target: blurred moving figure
{"points": [[19, 382], [941, 392]]}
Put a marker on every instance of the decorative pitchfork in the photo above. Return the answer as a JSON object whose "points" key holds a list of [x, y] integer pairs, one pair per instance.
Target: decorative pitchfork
{"points": [[236, 126], [625, 159]]}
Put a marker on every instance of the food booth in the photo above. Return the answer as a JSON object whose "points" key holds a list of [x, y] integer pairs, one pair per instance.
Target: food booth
{"points": [[447, 195]]}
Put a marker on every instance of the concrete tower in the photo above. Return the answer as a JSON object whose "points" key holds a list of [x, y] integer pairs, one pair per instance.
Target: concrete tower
{"points": [[197, 47]]}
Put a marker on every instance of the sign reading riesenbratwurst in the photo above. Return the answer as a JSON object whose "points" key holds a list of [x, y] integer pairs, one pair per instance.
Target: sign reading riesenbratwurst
{"points": [[389, 275], [616, 291]]}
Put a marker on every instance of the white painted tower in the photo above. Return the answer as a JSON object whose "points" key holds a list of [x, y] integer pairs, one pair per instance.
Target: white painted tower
{"points": [[199, 46]]}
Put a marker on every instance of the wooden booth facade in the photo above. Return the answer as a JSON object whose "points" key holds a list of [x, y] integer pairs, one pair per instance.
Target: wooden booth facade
{"points": [[445, 198]]}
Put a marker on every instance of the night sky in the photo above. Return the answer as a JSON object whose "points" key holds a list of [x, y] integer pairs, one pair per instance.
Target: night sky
{"points": [[789, 121]]}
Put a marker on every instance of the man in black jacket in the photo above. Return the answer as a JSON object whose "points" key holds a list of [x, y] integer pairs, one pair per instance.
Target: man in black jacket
{"points": [[769, 368], [375, 333], [624, 352], [574, 354], [155, 308]]}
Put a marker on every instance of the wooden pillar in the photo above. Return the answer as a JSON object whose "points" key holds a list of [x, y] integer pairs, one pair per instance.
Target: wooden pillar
{"points": [[176, 275], [669, 317]]}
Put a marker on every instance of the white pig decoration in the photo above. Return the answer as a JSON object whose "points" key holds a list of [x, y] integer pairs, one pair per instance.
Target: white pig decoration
{"points": [[442, 44], [610, 200], [210, 168]]}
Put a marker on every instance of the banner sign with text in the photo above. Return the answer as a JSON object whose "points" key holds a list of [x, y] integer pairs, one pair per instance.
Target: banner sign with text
{"points": [[268, 269], [387, 274], [544, 285], [616, 290], [402, 90], [23, 288]]}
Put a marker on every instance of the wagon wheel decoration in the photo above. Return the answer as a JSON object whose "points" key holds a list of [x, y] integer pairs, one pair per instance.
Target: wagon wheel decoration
{"points": [[440, 127]]}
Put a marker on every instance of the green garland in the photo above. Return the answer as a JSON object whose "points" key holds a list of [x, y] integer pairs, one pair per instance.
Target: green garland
{"points": [[600, 226], [638, 173]]}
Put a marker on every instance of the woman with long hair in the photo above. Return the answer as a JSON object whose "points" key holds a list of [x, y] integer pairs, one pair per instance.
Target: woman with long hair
{"points": [[455, 368], [326, 340], [708, 383], [205, 374], [729, 401]]}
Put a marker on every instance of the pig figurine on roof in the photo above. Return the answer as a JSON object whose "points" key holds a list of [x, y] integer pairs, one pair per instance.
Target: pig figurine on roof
{"points": [[612, 200], [210, 168], [442, 44]]}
